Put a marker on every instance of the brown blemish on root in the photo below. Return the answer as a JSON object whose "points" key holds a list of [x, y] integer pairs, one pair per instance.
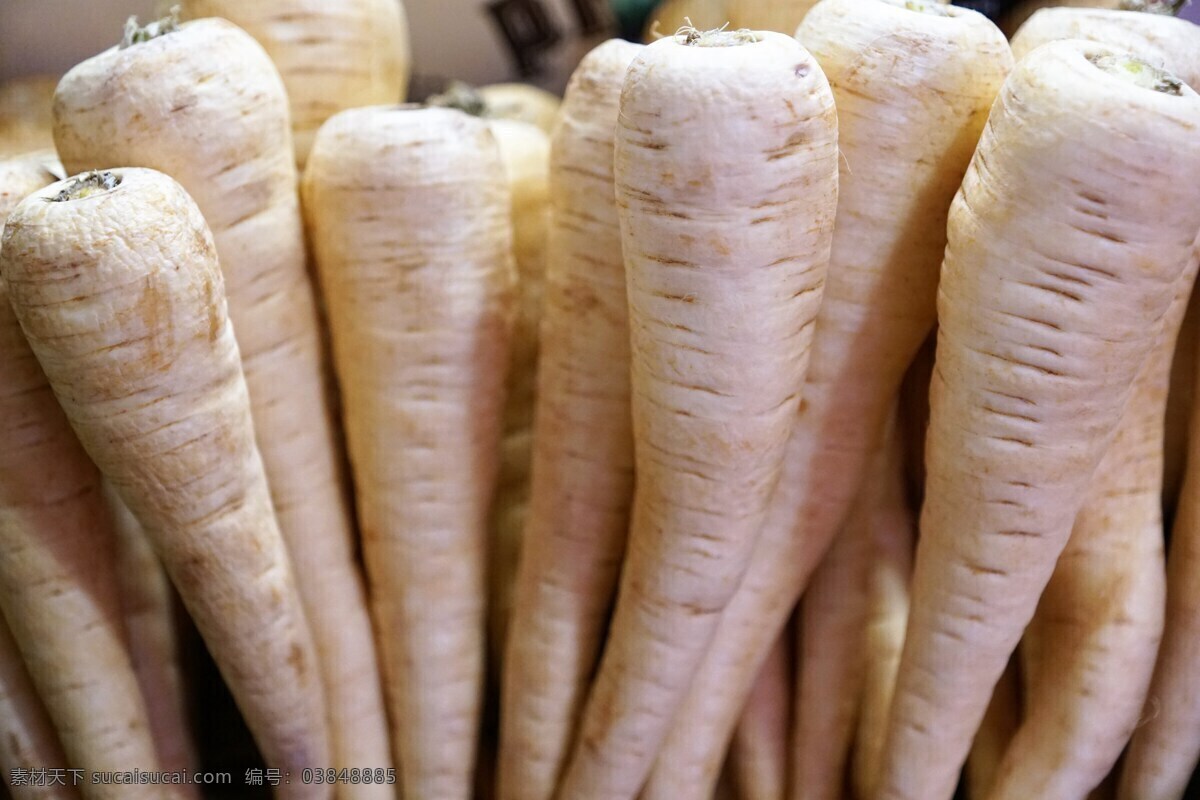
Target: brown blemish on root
{"points": [[296, 660]]}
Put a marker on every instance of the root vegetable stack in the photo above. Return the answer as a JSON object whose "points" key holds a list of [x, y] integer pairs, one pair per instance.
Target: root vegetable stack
{"points": [[775, 417], [408, 210], [115, 281]]}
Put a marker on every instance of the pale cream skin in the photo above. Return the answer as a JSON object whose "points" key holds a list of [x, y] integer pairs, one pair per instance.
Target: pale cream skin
{"points": [[1163, 752], [831, 648], [913, 88], [996, 730], [1092, 646], [726, 180], [582, 467], [892, 534], [174, 104], [1167, 740], [758, 754], [149, 608], [1160, 39], [117, 288], [409, 216], [1094, 641], [1067, 242], [525, 150], [27, 734], [331, 55]]}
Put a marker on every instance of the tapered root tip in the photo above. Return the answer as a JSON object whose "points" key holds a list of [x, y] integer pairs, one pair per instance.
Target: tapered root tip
{"points": [[717, 37], [86, 185], [135, 34], [1138, 72]]}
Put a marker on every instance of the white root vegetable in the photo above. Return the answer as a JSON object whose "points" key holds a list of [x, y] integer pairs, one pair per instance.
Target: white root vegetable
{"points": [[1161, 39], [331, 55], [913, 83], [58, 583], [27, 737], [582, 468], [149, 610], [892, 536], [758, 754], [1066, 243], [1100, 620], [726, 181], [115, 281], [996, 731], [172, 103], [831, 653], [1163, 752], [525, 151], [408, 211]]}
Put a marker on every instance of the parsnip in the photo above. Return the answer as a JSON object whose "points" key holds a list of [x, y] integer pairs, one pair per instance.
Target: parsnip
{"points": [[1066, 243], [525, 151], [174, 104], [831, 653], [582, 468], [1161, 39], [115, 281], [408, 211], [1100, 620], [726, 181], [892, 535], [996, 731], [27, 737], [913, 83], [758, 754], [1162, 755], [149, 610], [58, 583], [331, 56]]}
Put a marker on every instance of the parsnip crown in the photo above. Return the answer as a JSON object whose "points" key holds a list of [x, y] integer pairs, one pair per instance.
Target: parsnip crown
{"points": [[135, 34], [1138, 72], [717, 37], [86, 185]]}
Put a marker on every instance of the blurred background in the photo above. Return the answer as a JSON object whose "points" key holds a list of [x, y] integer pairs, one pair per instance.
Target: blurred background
{"points": [[462, 39], [450, 38]]}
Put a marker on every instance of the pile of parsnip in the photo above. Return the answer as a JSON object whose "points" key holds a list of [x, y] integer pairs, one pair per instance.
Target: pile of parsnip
{"points": [[609, 452]]}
